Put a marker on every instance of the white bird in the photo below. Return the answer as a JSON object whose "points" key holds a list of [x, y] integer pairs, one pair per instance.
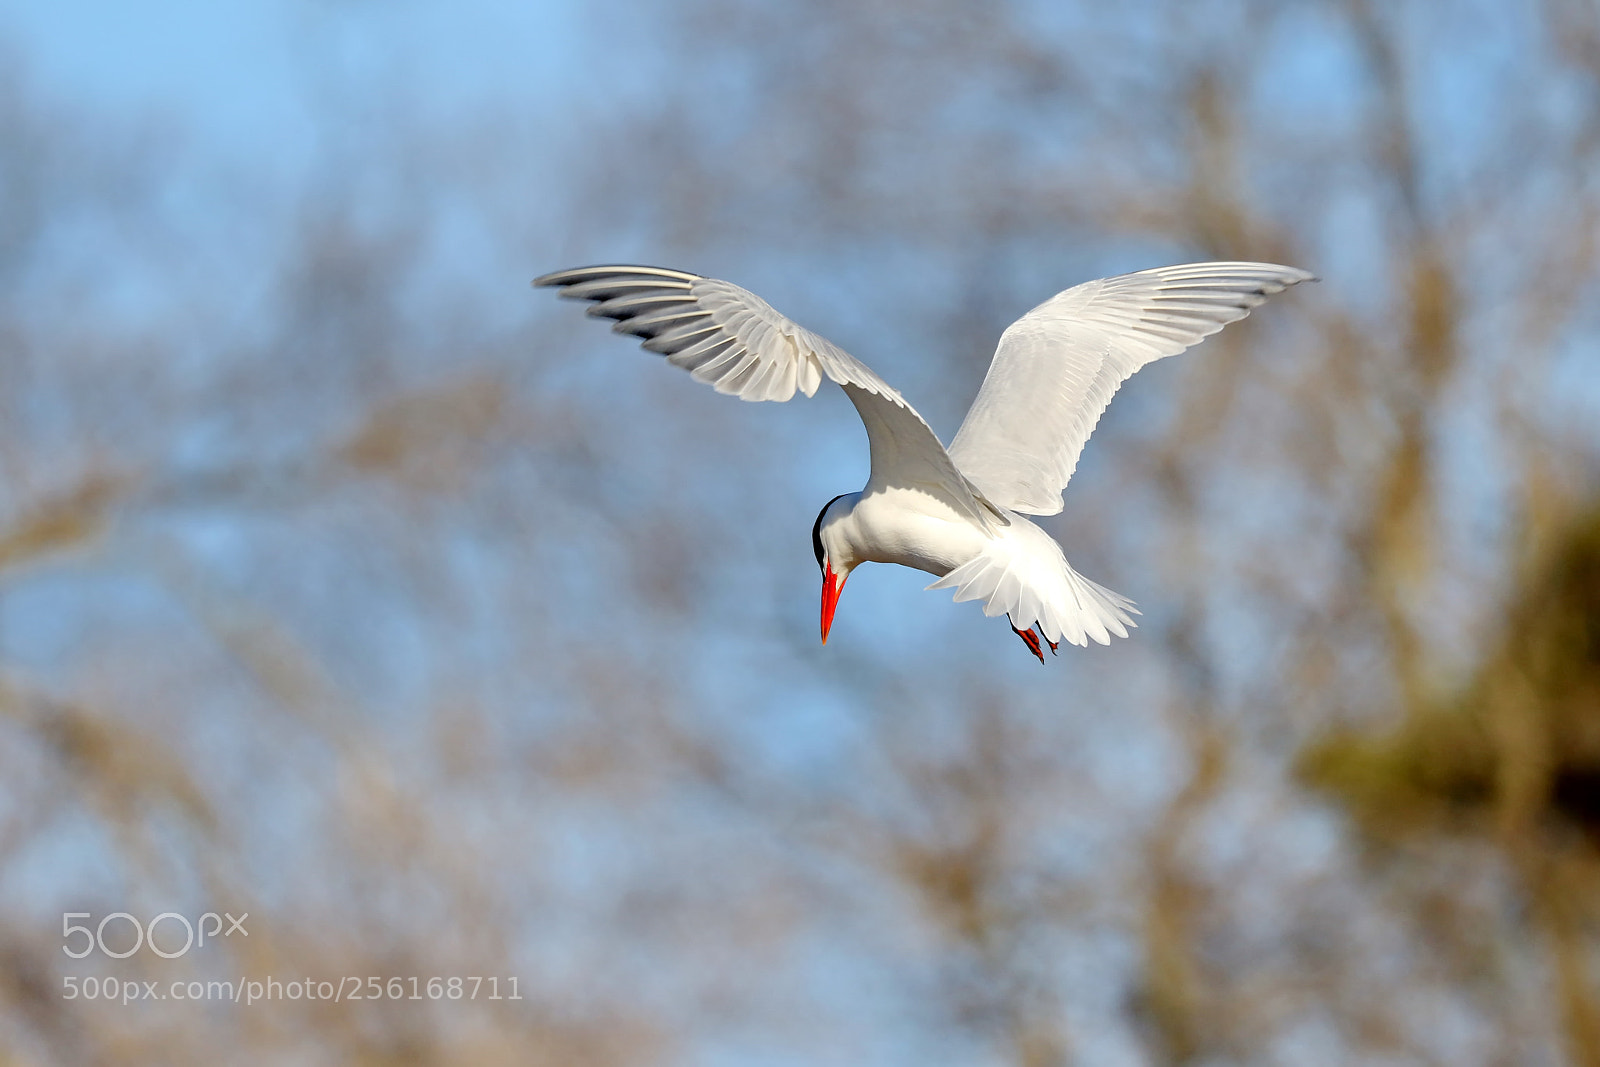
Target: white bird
{"points": [[957, 513]]}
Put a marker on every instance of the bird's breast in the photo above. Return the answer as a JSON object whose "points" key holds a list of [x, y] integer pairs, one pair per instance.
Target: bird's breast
{"points": [[914, 530]]}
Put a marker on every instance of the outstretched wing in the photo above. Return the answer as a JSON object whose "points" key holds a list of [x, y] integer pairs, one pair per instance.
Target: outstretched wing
{"points": [[735, 342], [1057, 367]]}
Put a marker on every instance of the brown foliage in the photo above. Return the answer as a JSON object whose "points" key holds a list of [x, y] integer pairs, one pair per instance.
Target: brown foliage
{"points": [[387, 605]]}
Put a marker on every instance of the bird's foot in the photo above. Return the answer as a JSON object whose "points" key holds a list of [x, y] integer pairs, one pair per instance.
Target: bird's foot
{"points": [[1031, 639]]}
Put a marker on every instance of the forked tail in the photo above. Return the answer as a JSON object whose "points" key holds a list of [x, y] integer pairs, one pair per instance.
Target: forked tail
{"points": [[1026, 577]]}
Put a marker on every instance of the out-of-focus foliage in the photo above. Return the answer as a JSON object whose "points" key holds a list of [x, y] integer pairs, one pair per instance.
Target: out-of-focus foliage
{"points": [[1514, 759], [1520, 747], [347, 583]]}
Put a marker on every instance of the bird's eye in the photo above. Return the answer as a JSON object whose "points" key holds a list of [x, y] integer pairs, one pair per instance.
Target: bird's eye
{"points": [[816, 531]]}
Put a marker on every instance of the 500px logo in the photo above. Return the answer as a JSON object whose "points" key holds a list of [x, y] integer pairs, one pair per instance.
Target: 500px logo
{"points": [[146, 933]]}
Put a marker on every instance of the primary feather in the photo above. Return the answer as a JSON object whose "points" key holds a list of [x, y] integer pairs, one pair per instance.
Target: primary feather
{"points": [[1056, 368], [735, 342]]}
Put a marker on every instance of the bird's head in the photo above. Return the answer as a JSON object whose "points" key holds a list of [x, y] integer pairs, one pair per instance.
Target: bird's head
{"points": [[835, 557]]}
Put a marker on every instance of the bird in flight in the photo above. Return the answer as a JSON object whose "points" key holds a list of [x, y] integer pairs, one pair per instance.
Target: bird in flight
{"points": [[958, 513]]}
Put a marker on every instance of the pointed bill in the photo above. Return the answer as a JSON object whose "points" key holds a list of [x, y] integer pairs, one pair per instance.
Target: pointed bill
{"points": [[832, 586]]}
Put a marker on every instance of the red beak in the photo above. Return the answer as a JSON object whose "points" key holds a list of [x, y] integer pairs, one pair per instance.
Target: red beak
{"points": [[832, 586]]}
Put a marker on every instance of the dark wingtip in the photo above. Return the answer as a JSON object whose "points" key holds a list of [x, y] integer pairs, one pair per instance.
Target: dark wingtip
{"points": [[580, 274]]}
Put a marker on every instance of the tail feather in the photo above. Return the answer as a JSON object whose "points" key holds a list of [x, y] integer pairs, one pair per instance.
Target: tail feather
{"points": [[1036, 587]]}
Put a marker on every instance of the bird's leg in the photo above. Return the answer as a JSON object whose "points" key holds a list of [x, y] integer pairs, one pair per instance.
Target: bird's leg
{"points": [[1031, 639]]}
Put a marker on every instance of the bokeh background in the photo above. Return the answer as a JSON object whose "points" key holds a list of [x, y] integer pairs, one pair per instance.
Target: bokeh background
{"points": [[350, 583]]}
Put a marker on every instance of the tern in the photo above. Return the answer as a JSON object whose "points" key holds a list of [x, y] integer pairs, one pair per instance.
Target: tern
{"points": [[958, 513]]}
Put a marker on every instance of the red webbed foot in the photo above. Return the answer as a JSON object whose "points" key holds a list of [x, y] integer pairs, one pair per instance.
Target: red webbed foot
{"points": [[1031, 639]]}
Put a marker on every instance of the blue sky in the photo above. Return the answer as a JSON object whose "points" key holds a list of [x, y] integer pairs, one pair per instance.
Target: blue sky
{"points": [[237, 71], [275, 95]]}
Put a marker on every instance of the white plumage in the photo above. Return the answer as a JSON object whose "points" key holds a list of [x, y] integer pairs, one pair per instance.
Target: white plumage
{"points": [[958, 514]]}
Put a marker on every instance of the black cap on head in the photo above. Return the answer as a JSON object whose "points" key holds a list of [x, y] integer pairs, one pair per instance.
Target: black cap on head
{"points": [[816, 531]]}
